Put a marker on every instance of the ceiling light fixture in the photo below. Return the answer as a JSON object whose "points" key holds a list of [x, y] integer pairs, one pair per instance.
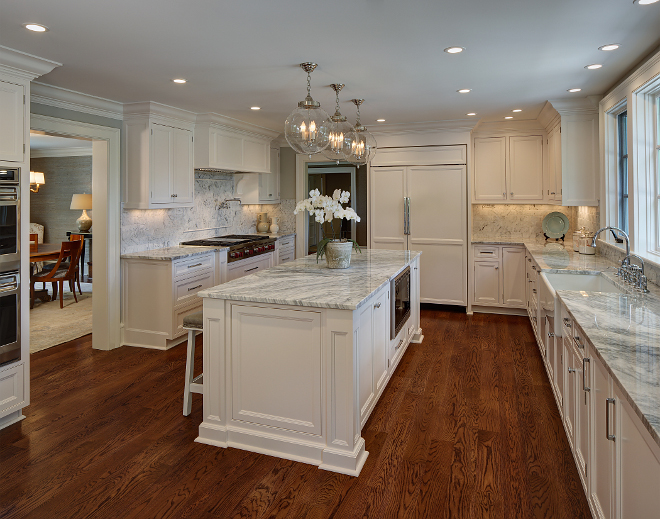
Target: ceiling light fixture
{"points": [[517, 110], [509, 117], [471, 114], [456, 50], [644, 2], [380, 120], [595, 66], [35, 27], [337, 150], [180, 81], [573, 90], [464, 90], [609, 46], [255, 108], [361, 145], [307, 129]]}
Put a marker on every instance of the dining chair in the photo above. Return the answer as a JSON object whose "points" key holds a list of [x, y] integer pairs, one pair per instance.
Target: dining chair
{"points": [[81, 238], [62, 271], [34, 242]]}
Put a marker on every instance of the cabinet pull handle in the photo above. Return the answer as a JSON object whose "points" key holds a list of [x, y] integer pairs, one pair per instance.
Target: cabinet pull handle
{"points": [[577, 341], [551, 335], [607, 419], [511, 193], [399, 345], [377, 305], [529, 259], [195, 265], [584, 370], [253, 268], [174, 195], [497, 268], [533, 267], [552, 193], [286, 259], [533, 291], [194, 288], [567, 322], [571, 370], [503, 195], [486, 252]]}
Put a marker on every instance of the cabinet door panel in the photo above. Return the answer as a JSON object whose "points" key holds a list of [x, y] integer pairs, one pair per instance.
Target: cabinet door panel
{"points": [[12, 128], [490, 168], [182, 166], [513, 276], [526, 167], [365, 361], [601, 472], [583, 411], [161, 164], [228, 150], [381, 337], [570, 390], [486, 282], [387, 192]]}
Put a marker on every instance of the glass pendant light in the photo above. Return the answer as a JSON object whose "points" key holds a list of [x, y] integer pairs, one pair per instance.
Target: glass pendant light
{"points": [[339, 129], [360, 145], [307, 129]]}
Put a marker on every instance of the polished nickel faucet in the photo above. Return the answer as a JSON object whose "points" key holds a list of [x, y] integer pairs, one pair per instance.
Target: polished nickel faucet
{"points": [[631, 274], [609, 228]]}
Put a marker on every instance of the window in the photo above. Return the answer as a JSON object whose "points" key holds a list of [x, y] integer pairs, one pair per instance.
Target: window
{"points": [[622, 170]]}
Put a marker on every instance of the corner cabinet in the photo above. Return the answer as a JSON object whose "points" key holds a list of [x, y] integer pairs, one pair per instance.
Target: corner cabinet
{"points": [[158, 155], [509, 169]]}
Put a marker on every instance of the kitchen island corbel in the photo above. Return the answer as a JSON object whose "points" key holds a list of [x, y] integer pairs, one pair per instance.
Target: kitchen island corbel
{"points": [[296, 356]]}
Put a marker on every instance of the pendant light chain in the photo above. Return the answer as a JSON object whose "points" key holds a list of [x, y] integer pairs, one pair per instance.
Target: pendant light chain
{"points": [[309, 84]]}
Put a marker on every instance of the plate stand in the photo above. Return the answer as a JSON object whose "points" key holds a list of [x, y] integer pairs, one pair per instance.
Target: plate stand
{"points": [[556, 239]]}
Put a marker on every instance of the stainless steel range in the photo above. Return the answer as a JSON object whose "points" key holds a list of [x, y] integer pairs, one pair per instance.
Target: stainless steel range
{"points": [[241, 246]]}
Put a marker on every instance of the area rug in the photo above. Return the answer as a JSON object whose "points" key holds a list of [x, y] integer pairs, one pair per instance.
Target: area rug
{"points": [[51, 325]]}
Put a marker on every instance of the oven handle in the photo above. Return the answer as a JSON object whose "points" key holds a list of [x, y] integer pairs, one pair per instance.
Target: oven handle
{"points": [[8, 197], [8, 287]]}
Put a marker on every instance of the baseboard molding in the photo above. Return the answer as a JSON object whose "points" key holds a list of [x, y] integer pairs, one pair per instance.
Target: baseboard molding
{"points": [[498, 310]]}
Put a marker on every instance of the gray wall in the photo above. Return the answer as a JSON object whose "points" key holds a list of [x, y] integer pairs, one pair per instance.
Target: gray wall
{"points": [[50, 206], [287, 173]]}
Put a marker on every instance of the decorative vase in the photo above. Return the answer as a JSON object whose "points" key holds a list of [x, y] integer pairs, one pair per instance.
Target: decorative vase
{"points": [[338, 254], [84, 222], [262, 222], [274, 227]]}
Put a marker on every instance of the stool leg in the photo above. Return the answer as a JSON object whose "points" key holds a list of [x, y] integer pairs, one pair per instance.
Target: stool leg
{"points": [[190, 370]]}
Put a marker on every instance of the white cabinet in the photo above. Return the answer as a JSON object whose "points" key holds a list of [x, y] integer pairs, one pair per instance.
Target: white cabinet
{"points": [[269, 183], [285, 249], [241, 268], [573, 160], [227, 144], [158, 294], [12, 115], [12, 389], [437, 224], [499, 276], [158, 156], [508, 169]]}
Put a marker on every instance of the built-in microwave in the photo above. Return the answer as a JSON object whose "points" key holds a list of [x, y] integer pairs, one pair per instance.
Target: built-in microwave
{"points": [[10, 219], [10, 317], [400, 297]]}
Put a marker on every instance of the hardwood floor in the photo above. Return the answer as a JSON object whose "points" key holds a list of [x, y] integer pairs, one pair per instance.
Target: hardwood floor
{"points": [[467, 428]]}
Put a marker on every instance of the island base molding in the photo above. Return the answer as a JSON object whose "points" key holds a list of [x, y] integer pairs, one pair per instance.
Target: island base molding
{"points": [[349, 463]]}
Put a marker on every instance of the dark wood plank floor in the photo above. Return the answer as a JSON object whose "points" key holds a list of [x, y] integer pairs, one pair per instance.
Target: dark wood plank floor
{"points": [[467, 428]]}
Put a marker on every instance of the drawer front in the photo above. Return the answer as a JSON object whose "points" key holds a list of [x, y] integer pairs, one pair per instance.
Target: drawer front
{"points": [[486, 252], [245, 269], [289, 241], [186, 289], [181, 313], [191, 266], [12, 394], [287, 254]]}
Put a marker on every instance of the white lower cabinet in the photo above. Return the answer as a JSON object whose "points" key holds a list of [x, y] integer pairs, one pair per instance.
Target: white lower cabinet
{"points": [[12, 389], [499, 276], [246, 267], [285, 249], [513, 276], [487, 283]]}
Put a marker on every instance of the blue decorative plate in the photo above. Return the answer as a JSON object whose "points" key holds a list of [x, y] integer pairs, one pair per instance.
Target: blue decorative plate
{"points": [[555, 225]]}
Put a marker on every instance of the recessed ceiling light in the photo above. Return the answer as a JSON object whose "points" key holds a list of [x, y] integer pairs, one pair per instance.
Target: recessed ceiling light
{"points": [[255, 108], [456, 50], [609, 46], [517, 110], [644, 2], [180, 80], [509, 117], [35, 27], [595, 66], [380, 120], [573, 90], [471, 113], [464, 90]]}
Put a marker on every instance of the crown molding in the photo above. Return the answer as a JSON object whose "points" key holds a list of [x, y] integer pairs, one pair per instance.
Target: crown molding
{"points": [[222, 121], [548, 117], [163, 112], [507, 126], [646, 72], [59, 97], [60, 152], [455, 125], [576, 105], [23, 65]]}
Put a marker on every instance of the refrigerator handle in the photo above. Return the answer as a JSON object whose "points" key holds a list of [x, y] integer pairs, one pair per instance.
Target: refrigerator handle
{"points": [[406, 215]]}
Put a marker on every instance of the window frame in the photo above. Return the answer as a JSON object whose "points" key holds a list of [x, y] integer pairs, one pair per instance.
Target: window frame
{"points": [[622, 177]]}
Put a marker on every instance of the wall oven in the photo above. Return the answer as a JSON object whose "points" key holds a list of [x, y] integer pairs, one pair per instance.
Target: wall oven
{"points": [[400, 297], [10, 317], [10, 220]]}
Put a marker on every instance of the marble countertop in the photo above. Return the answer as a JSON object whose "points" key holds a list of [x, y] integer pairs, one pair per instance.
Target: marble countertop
{"points": [[623, 330], [277, 235], [171, 253], [304, 282]]}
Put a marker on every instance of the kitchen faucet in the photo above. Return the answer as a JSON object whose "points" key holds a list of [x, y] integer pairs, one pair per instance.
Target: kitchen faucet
{"points": [[631, 274], [610, 228]]}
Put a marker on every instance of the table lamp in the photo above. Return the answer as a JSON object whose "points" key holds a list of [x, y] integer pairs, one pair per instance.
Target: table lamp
{"points": [[84, 202]]}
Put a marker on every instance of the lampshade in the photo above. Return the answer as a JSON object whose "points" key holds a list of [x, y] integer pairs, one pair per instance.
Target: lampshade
{"points": [[82, 201], [37, 178]]}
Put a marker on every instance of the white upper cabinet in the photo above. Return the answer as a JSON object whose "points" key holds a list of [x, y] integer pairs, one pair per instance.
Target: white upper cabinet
{"points": [[227, 144], [526, 167], [12, 115], [508, 168], [158, 155], [573, 161], [269, 183]]}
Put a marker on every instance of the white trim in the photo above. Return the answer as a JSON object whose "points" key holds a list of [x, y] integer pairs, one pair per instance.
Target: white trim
{"points": [[460, 125], [609, 153], [106, 243], [301, 193], [644, 73], [24, 65], [60, 152], [222, 121], [165, 112], [59, 97]]}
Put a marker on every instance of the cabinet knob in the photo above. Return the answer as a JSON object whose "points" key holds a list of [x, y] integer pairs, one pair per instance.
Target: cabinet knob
{"points": [[377, 305], [503, 195], [174, 196], [511, 193], [497, 268]]}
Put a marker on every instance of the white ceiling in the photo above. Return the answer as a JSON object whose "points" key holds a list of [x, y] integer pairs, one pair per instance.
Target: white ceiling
{"points": [[244, 53]]}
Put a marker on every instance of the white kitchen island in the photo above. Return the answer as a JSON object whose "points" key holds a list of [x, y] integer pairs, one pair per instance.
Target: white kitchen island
{"points": [[296, 357]]}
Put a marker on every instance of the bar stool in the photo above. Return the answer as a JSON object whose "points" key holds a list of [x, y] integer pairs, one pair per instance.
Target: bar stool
{"points": [[194, 324]]}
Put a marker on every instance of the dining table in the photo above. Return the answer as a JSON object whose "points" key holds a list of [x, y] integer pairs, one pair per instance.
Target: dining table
{"points": [[44, 252]]}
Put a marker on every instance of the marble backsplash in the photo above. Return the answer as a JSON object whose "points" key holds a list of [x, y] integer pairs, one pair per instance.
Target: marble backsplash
{"points": [[588, 217], [210, 216], [515, 221]]}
